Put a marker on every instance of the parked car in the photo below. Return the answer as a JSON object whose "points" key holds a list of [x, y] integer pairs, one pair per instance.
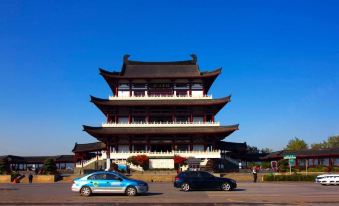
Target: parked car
{"points": [[108, 182], [328, 179], [190, 180]]}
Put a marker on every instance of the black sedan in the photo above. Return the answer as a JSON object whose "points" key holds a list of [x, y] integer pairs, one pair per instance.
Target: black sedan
{"points": [[190, 180]]}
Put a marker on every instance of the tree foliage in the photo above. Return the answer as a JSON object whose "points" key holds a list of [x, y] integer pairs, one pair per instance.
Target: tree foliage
{"points": [[296, 144], [4, 166], [50, 167], [331, 142]]}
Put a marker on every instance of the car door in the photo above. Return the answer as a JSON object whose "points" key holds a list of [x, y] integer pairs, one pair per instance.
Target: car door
{"points": [[114, 183], [209, 181], [195, 180], [97, 182]]}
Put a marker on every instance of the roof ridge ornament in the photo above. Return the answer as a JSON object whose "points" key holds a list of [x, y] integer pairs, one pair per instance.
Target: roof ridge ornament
{"points": [[194, 58], [125, 58]]}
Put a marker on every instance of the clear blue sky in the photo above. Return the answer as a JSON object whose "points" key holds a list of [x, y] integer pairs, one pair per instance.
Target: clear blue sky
{"points": [[280, 62]]}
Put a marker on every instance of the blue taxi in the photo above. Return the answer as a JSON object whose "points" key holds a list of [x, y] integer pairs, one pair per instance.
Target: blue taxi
{"points": [[108, 182]]}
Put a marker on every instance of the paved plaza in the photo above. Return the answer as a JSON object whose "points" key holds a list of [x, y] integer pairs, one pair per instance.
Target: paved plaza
{"points": [[164, 194]]}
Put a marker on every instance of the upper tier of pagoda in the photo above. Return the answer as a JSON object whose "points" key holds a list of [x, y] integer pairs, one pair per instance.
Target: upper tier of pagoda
{"points": [[211, 106], [164, 72]]}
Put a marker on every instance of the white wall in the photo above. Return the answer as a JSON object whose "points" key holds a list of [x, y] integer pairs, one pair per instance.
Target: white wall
{"points": [[161, 164], [123, 93], [197, 93]]}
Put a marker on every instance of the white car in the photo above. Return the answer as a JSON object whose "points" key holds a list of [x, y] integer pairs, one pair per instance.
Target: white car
{"points": [[328, 179]]}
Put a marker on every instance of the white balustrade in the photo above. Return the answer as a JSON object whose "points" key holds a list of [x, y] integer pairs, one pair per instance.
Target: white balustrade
{"points": [[161, 124], [121, 157], [159, 97]]}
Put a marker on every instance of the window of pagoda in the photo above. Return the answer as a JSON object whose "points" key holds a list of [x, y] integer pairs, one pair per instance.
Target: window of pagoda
{"points": [[124, 89], [197, 89], [160, 88], [181, 89], [138, 119], [139, 89], [123, 119]]}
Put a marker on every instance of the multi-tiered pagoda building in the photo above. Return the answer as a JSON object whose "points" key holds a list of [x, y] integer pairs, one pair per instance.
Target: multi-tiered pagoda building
{"points": [[160, 109]]}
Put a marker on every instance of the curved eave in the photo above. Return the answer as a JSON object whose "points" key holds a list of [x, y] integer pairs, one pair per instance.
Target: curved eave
{"points": [[117, 75], [210, 77], [107, 132], [104, 104]]}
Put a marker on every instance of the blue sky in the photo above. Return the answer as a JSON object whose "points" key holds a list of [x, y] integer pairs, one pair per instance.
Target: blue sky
{"points": [[280, 62]]}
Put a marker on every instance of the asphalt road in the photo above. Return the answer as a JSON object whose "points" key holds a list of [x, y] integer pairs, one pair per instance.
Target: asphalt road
{"points": [[165, 194]]}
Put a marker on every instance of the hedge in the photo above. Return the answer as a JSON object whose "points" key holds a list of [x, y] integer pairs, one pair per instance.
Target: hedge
{"points": [[293, 177]]}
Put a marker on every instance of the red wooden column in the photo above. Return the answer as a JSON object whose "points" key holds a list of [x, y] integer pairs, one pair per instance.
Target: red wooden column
{"points": [[191, 144], [190, 89], [130, 88], [148, 144], [116, 90], [130, 144], [173, 114]]}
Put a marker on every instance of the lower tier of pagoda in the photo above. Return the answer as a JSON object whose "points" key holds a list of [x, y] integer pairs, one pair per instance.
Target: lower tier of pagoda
{"points": [[161, 135]]}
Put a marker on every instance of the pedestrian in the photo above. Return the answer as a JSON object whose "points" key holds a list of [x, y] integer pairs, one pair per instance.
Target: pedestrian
{"points": [[30, 178], [255, 174]]}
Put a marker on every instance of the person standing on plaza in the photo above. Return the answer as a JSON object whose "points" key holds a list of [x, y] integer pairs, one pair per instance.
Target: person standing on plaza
{"points": [[255, 173], [30, 178]]}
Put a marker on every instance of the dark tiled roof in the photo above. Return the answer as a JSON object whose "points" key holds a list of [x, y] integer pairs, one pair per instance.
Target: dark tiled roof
{"points": [[215, 105], [175, 69], [39, 159], [108, 132], [160, 69], [232, 146], [304, 153], [89, 147], [177, 102]]}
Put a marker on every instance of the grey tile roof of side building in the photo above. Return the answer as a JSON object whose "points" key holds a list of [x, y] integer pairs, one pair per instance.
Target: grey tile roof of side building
{"points": [[88, 147], [303, 153]]}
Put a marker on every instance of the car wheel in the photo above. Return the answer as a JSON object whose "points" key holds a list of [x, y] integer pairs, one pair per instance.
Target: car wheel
{"points": [[85, 191], [185, 187], [226, 186], [131, 191]]}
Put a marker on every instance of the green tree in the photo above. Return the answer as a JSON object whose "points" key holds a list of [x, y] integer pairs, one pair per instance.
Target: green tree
{"points": [[283, 165], [50, 167], [4, 166], [317, 146], [266, 150], [331, 142], [296, 144]]}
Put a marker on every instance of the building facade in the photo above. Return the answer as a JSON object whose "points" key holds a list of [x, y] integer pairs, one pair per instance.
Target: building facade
{"points": [[160, 109]]}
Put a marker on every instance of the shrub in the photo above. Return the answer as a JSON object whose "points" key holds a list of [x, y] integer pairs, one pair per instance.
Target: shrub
{"points": [[293, 177], [50, 167], [283, 165], [4, 166], [318, 169], [14, 175], [178, 161], [141, 160], [265, 165]]}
